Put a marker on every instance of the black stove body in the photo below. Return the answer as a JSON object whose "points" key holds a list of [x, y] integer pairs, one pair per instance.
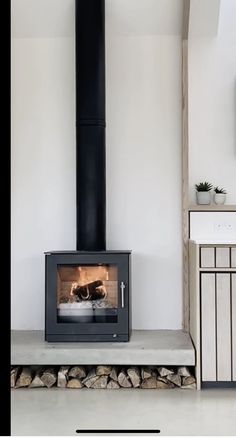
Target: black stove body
{"points": [[88, 291], [88, 296]]}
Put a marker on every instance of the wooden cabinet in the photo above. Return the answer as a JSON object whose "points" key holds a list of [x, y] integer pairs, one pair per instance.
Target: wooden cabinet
{"points": [[213, 312]]}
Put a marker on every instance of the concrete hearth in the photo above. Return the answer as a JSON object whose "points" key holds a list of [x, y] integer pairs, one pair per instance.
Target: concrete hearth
{"points": [[146, 347]]}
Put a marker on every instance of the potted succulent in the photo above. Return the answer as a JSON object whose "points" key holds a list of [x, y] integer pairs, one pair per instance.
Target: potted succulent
{"points": [[203, 192], [220, 195]]}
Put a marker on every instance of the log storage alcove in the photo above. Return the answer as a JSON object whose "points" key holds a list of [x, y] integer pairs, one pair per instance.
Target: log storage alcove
{"points": [[103, 377]]}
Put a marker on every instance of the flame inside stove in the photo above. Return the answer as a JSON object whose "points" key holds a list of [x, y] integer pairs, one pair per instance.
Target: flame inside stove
{"points": [[84, 283]]}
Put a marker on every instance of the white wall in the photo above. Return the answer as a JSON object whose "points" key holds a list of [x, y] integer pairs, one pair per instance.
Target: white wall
{"points": [[212, 105], [143, 169], [143, 145], [43, 176]]}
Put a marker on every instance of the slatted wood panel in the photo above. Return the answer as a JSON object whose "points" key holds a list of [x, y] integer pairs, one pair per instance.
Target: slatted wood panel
{"points": [[185, 172], [222, 257], [233, 257], [207, 257], [195, 307], [223, 327], [233, 326], [208, 327]]}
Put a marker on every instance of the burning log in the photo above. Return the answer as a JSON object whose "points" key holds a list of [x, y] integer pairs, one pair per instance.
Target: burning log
{"points": [[90, 291]]}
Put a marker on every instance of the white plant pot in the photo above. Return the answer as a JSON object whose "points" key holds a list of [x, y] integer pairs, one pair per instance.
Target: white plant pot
{"points": [[220, 198], [203, 198]]}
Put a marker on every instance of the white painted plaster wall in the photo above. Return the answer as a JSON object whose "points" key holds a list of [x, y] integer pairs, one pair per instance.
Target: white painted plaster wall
{"points": [[43, 174], [143, 167], [143, 171], [212, 105]]}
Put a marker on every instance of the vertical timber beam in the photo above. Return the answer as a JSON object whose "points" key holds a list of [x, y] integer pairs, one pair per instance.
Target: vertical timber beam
{"points": [[185, 170]]}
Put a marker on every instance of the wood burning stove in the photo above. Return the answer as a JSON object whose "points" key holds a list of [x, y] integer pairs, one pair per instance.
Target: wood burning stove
{"points": [[88, 290], [88, 296]]}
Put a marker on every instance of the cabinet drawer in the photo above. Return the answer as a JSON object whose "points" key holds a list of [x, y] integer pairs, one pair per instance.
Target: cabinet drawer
{"points": [[222, 257], [207, 258], [217, 257], [233, 257]]}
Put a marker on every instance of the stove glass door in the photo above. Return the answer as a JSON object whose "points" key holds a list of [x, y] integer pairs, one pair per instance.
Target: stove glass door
{"points": [[87, 293]]}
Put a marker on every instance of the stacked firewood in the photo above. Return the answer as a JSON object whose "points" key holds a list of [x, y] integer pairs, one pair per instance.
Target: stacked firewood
{"points": [[103, 376]]}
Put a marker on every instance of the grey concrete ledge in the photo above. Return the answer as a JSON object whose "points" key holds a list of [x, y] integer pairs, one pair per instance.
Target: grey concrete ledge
{"points": [[146, 347]]}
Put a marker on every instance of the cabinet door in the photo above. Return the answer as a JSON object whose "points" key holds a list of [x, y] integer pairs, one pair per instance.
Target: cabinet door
{"points": [[234, 326], [208, 324], [223, 327]]}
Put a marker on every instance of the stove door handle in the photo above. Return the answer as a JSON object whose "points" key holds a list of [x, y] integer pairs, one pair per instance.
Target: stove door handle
{"points": [[122, 289]]}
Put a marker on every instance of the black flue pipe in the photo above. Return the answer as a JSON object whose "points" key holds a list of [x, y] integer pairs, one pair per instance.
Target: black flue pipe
{"points": [[90, 125]]}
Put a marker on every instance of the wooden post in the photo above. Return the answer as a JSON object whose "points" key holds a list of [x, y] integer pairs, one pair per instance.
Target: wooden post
{"points": [[185, 174]]}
